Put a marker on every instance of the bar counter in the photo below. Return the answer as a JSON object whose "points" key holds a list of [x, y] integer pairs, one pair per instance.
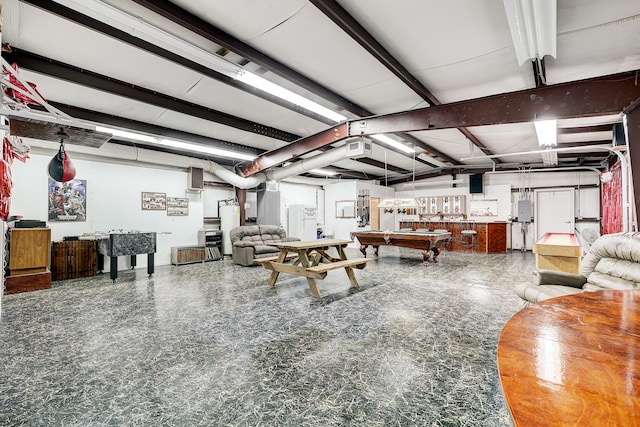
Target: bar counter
{"points": [[492, 236]]}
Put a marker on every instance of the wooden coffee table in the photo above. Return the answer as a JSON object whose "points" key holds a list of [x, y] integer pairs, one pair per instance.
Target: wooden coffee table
{"points": [[574, 361]]}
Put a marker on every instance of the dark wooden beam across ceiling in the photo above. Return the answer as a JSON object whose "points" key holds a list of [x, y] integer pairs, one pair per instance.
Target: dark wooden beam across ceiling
{"points": [[590, 97], [583, 98], [95, 25], [147, 128], [352, 27], [210, 32], [381, 165], [107, 84], [585, 129], [197, 25]]}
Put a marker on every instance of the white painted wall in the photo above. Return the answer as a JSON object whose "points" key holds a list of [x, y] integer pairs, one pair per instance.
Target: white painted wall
{"points": [[341, 227], [113, 202], [508, 188]]}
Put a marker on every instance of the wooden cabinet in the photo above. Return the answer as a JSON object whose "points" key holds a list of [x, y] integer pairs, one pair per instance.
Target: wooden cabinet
{"points": [[492, 236], [188, 254], [28, 264], [73, 259]]}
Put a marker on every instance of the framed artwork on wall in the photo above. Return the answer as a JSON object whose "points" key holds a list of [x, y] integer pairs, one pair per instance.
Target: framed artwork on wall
{"points": [[177, 206], [67, 200], [154, 201]]}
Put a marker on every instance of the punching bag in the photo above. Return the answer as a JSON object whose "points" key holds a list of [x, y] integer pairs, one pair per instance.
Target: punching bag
{"points": [[60, 167]]}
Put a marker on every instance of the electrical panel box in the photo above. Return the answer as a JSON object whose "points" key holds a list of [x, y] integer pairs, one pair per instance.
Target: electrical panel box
{"points": [[524, 210]]}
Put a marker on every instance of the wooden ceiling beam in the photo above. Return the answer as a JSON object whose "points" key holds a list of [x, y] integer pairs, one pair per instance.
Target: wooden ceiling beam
{"points": [[583, 98], [357, 32]]}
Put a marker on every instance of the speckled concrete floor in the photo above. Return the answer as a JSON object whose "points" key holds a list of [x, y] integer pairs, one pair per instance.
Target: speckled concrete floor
{"points": [[212, 345]]}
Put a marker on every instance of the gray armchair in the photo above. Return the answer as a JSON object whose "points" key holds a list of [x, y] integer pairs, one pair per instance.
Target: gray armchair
{"points": [[613, 262], [250, 242]]}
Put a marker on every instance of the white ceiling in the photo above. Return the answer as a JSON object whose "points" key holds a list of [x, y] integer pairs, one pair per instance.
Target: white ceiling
{"points": [[458, 49]]}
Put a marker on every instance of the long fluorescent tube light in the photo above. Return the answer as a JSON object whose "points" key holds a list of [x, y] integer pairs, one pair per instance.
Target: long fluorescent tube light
{"points": [[282, 93], [524, 153], [325, 172], [549, 158], [138, 28], [547, 133], [393, 143], [128, 134], [203, 149], [176, 144], [533, 25]]}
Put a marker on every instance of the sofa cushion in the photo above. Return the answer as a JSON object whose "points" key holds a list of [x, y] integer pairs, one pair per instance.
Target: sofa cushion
{"points": [[245, 232], [598, 280], [263, 249], [269, 239], [272, 232]]}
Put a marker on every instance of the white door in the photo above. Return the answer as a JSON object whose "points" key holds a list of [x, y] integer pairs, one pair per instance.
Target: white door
{"points": [[554, 212]]}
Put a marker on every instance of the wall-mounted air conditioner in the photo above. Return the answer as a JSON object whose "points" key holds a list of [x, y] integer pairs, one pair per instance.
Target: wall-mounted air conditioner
{"points": [[359, 148]]}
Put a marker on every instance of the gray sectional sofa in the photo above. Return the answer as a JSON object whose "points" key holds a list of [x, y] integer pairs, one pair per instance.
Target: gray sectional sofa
{"points": [[613, 262], [249, 242]]}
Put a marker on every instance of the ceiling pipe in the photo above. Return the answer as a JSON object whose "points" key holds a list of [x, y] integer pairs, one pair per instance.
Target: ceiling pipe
{"points": [[570, 168], [305, 165]]}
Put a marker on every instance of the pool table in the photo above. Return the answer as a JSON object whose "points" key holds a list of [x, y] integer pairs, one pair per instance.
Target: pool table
{"points": [[427, 241]]}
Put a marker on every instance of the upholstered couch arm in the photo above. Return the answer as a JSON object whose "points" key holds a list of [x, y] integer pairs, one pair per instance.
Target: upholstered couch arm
{"points": [[243, 255], [553, 277]]}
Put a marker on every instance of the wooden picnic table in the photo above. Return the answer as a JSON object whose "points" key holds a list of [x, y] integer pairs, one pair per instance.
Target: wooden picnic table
{"points": [[312, 260]]}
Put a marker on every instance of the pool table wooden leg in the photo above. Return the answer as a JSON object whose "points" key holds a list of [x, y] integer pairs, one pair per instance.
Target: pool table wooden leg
{"points": [[436, 252]]}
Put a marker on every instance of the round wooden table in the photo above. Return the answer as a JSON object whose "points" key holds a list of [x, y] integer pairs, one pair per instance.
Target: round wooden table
{"points": [[574, 361]]}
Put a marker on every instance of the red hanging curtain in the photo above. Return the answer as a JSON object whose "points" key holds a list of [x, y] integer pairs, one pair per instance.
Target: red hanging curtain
{"points": [[611, 202]]}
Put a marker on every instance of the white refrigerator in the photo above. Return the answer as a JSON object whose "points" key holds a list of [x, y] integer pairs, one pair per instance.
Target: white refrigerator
{"points": [[229, 219], [303, 222]]}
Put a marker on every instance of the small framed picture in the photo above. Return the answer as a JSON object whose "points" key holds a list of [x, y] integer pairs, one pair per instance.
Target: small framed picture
{"points": [[177, 206], [154, 201]]}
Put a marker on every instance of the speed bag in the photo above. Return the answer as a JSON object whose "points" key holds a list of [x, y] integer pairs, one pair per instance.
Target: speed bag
{"points": [[60, 167]]}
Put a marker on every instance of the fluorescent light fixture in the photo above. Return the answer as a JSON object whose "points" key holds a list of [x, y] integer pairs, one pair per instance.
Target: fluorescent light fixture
{"points": [[136, 27], [547, 133], [282, 93], [533, 25], [564, 149], [172, 143], [325, 172], [127, 134], [204, 149], [549, 158], [393, 143]]}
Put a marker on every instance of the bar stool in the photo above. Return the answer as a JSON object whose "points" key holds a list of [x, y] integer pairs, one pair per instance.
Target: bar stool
{"points": [[469, 237]]}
